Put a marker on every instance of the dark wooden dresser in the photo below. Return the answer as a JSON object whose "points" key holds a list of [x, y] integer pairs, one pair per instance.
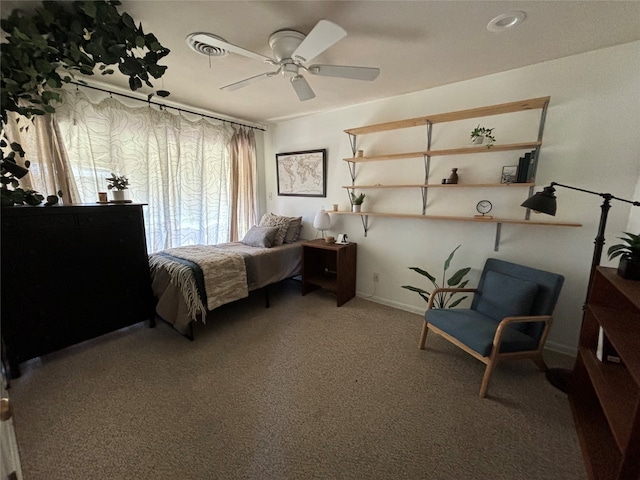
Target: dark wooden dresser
{"points": [[70, 273]]}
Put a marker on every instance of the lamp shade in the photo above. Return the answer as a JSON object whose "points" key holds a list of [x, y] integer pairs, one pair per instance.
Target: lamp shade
{"points": [[543, 202], [322, 221]]}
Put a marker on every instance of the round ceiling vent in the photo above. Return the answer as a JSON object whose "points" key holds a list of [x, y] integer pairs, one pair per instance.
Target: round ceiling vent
{"points": [[203, 48], [506, 21]]}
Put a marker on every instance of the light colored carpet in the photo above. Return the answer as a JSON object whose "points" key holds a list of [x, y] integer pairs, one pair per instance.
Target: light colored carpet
{"points": [[302, 390]]}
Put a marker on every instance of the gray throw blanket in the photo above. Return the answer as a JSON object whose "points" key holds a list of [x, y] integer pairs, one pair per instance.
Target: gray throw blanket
{"points": [[206, 275]]}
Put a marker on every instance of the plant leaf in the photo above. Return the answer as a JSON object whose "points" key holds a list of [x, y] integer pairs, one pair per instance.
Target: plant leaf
{"points": [[448, 260], [457, 277], [457, 302], [423, 272]]}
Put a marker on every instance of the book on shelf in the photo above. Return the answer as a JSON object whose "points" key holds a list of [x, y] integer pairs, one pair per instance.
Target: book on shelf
{"points": [[533, 165], [523, 168], [605, 351]]}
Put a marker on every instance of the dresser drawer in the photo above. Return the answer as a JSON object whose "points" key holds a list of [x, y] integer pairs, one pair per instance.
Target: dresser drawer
{"points": [[37, 222], [117, 216]]}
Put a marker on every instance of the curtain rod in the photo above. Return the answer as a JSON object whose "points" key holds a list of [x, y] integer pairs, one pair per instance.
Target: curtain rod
{"points": [[162, 105]]}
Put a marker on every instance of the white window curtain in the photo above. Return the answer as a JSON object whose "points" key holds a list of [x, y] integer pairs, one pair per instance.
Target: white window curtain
{"points": [[243, 182], [41, 141], [180, 168]]}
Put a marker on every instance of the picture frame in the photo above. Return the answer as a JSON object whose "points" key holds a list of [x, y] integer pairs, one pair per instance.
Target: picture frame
{"points": [[509, 174], [302, 174]]}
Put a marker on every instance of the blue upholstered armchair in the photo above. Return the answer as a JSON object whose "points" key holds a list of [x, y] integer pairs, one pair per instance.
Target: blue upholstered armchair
{"points": [[510, 315]]}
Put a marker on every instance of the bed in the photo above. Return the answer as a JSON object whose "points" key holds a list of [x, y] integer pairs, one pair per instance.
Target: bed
{"points": [[190, 282]]}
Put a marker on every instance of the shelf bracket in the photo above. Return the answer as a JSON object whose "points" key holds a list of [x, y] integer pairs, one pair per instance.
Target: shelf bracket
{"points": [[496, 245], [352, 172], [352, 165], [365, 223], [352, 141], [527, 215], [427, 166]]}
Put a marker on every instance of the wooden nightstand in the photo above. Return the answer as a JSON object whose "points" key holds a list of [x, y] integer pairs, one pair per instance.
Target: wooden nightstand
{"points": [[330, 266]]}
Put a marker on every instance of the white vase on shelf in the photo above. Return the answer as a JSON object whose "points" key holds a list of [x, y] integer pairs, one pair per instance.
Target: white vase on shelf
{"points": [[356, 208]]}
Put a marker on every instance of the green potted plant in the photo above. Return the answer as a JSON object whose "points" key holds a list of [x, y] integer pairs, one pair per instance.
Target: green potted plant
{"points": [[118, 184], [629, 253], [443, 298], [356, 201], [43, 49], [479, 133]]}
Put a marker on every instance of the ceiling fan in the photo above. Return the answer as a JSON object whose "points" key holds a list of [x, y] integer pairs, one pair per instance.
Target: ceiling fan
{"points": [[291, 50]]}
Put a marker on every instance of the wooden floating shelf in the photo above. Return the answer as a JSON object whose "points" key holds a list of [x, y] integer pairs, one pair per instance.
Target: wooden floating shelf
{"points": [[460, 219], [450, 151], [443, 185], [531, 104]]}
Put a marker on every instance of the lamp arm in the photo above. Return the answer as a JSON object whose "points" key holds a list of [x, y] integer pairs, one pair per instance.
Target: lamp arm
{"points": [[603, 195], [599, 240]]}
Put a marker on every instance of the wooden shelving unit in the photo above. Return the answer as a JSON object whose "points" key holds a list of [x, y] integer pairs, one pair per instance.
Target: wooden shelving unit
{"points": [[444, 185], [449, 151], [605, 397], [428, 121]]}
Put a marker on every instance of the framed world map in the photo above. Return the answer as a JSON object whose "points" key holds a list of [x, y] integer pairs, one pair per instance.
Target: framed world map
{"points": [[302, 174]]}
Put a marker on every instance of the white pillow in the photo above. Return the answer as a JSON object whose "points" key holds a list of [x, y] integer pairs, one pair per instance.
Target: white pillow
{"points": [[271, 220]]}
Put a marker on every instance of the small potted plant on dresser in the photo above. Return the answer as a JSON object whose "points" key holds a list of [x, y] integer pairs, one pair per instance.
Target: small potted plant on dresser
{"points": [[629, 253], [118, 185], [356, 201]]}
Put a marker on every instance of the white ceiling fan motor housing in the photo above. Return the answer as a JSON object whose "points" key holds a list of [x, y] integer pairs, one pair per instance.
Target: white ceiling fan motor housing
{"points": [[284, 42]]}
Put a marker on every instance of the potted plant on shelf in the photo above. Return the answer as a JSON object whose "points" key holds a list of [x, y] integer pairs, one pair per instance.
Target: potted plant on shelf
{"points": [[356, 201], [479, 133], [118, 184], [629, 253]]}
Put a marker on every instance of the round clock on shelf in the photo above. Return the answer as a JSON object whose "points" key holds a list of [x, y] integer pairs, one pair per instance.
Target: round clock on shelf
{"points": [[483, 207]]}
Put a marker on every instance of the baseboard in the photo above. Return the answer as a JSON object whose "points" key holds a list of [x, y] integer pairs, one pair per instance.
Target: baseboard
{"points": [[560, 348], [391, 303]]}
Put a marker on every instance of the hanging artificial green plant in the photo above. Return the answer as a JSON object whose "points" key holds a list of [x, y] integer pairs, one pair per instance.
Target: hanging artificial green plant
{"points": [[45, 49]]}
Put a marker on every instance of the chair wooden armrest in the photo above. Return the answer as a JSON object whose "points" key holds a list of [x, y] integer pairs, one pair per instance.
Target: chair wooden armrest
{"points": [[547, 319], [445, 290]]}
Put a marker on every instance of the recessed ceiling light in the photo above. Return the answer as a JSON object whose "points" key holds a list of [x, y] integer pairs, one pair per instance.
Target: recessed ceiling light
{"points": [[506, 21]]}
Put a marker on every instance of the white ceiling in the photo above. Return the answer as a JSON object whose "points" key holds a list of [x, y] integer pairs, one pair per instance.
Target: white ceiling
{"points": [[416, 44]]}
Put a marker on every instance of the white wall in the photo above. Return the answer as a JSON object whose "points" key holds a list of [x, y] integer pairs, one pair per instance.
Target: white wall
{"points": [[590, 141]]}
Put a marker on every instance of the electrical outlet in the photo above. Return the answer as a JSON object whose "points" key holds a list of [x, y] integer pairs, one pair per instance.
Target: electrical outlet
{"points": [[376, 277], [270, 195]]}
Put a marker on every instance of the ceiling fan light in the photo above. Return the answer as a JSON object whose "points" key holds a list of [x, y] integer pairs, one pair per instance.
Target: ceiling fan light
{"points": [[506, 21], [289, 70]]}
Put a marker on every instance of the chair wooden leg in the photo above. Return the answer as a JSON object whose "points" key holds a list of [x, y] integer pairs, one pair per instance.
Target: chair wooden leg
{"points": [[539, 361], [423, 335], [487, 375]]}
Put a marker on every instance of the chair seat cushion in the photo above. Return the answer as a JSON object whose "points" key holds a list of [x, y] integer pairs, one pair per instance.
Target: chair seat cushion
{"points": [[506, 296], [476, 330]]}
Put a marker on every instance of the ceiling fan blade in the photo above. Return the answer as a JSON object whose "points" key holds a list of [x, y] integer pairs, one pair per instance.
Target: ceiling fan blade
{"points": [[323, 35], [248, 81], [215, 42], [343, 71], [302, 88]]}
